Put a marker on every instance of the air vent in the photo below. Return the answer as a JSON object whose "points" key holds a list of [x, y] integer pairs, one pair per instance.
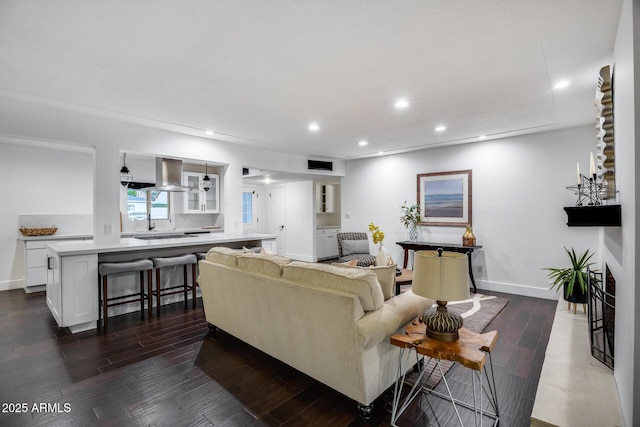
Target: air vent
{"points": [[320, 165]]}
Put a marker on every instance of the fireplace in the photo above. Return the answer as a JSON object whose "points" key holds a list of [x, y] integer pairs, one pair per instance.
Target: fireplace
{"points": [[602, 315]]}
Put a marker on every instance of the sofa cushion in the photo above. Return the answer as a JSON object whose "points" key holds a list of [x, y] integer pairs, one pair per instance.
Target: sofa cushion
{"points": [[265, 264], [224, 256], [360, 282], [350, 247], [386, 276]]}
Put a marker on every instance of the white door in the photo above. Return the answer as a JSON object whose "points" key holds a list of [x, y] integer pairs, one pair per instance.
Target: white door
{"points": [[250, 210], [278, 206]]}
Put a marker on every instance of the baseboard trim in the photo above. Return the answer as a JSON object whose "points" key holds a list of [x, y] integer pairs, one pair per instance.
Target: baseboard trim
{"points": [[510, 288], [11, 284]]}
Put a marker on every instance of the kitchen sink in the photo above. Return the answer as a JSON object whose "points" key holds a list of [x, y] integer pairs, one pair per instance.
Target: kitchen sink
{"points": [[163, 236]]}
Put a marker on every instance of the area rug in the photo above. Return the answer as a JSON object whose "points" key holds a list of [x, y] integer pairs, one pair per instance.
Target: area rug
{"points": [[477, 313]]}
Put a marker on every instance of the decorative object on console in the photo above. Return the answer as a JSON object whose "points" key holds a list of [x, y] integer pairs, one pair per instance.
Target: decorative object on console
{"points": [[588, 189], [590, 192], [125, 174], [442, 276], [468, 238], [206, 181], [445, 198], [410, 219], [378, 236], [568, 277]]}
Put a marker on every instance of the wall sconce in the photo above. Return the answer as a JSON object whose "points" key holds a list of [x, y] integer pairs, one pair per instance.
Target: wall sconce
{"points": [[125, 175], [206, 181]]}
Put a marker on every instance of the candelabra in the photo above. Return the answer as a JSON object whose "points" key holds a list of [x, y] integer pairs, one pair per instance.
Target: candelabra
{"points": [[589, 191]]}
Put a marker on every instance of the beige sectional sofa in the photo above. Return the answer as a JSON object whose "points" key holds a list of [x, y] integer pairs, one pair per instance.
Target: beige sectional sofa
{"points": [[329, 322]]}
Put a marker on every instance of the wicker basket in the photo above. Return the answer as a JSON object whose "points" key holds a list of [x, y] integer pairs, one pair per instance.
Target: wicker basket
{"points": [[38, 231]]}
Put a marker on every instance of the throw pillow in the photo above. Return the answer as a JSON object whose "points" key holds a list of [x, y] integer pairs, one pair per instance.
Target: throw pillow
{"points": [[386, 276], [350, 247]]}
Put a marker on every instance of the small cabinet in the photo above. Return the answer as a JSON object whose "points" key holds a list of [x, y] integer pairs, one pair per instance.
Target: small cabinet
{"points": [[325, 198], [35, 256], [72, 290], [327, 243], [35, 263], [196, 200], [270, 245]]}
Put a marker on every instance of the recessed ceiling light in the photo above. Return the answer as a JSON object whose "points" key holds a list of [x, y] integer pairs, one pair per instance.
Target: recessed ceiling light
{"points": [[482, 137], [440, 128], [561, 84], [401, 103], [362, 143], [313, 127], [208, 132]]}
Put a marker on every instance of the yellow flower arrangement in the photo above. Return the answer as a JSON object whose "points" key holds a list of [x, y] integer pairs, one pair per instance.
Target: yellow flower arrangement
{"points": [[376, 234]]}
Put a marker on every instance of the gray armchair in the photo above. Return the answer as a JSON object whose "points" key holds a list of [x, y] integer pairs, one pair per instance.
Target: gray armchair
{"points": [[355, 246]]}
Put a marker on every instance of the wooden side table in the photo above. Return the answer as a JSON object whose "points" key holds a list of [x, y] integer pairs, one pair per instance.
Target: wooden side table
{"points": [[470, 350]]}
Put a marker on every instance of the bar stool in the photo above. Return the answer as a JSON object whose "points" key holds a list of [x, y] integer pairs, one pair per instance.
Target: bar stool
{"points": [[184, 261], [200, 256], [109, 268]]}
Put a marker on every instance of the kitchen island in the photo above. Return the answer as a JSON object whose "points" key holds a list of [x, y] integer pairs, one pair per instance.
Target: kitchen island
{"points": [[72, 269]]}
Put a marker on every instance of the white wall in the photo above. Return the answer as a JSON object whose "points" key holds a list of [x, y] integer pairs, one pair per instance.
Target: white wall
{"points": [[518, 195], [38, 180], [620, 244]]}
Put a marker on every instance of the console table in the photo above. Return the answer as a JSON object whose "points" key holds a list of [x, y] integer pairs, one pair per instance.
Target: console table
{"points": [[430, 246]]}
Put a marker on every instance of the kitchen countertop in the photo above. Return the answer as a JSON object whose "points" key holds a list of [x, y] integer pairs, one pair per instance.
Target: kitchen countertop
{"points": [[131, 244], [202, 230]]}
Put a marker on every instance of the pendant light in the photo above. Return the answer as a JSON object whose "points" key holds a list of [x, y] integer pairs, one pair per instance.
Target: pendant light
{"points": [[206, 181], [125, 175]]}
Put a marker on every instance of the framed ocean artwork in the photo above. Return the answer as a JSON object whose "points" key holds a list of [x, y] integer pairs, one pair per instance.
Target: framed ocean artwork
{"points": [[445, 198]]}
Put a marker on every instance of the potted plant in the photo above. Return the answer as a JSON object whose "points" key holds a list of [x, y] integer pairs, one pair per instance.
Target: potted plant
{"points": [[410, 219], [572, 279]]}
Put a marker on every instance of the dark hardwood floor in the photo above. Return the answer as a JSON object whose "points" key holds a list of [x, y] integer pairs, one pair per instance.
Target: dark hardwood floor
{"points": [[170, 372]]}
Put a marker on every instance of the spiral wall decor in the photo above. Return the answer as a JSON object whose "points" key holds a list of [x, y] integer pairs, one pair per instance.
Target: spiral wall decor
{"points": [[605, 163]]}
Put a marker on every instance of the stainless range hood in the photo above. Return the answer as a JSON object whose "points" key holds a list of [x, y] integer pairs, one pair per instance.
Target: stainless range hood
{"points": [[169, 175]]}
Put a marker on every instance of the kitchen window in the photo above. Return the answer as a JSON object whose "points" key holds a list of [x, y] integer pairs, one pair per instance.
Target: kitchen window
{"points": [[141, 203]]}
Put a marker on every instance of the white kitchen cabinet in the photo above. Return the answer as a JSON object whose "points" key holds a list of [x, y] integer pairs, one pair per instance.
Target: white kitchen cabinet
{"points": [[35, 257], [72, 290], [197, 200], [270, 245], [327, 243], [325, 198]]}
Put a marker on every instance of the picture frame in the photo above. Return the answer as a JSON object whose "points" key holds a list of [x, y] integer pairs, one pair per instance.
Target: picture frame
{"points": [[445, 198]]}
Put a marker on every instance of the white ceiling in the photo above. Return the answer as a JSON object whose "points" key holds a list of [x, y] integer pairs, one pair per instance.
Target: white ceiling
{"points": [[259, 72]]}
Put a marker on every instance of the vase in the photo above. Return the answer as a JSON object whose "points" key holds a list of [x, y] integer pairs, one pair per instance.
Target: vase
{"points": [[381, 259], [468, 238], [413, 232]]}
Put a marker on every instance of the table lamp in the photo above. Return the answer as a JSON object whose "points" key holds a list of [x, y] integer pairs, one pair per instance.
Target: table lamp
{"points": [[442, 276]]}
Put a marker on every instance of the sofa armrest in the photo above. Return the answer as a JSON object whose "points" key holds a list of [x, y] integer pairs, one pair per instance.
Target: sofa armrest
{"points": [[395, 314]]}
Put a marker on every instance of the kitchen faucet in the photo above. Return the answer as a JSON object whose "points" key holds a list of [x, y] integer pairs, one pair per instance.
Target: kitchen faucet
{"points": [[150, 227]]}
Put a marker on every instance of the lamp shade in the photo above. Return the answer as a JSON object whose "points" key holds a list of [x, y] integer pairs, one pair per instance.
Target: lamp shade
{"points": [[441, 277]]}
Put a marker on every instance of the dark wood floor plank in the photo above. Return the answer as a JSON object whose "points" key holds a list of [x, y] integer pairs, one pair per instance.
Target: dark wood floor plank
{"points": [[169, 371]]}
